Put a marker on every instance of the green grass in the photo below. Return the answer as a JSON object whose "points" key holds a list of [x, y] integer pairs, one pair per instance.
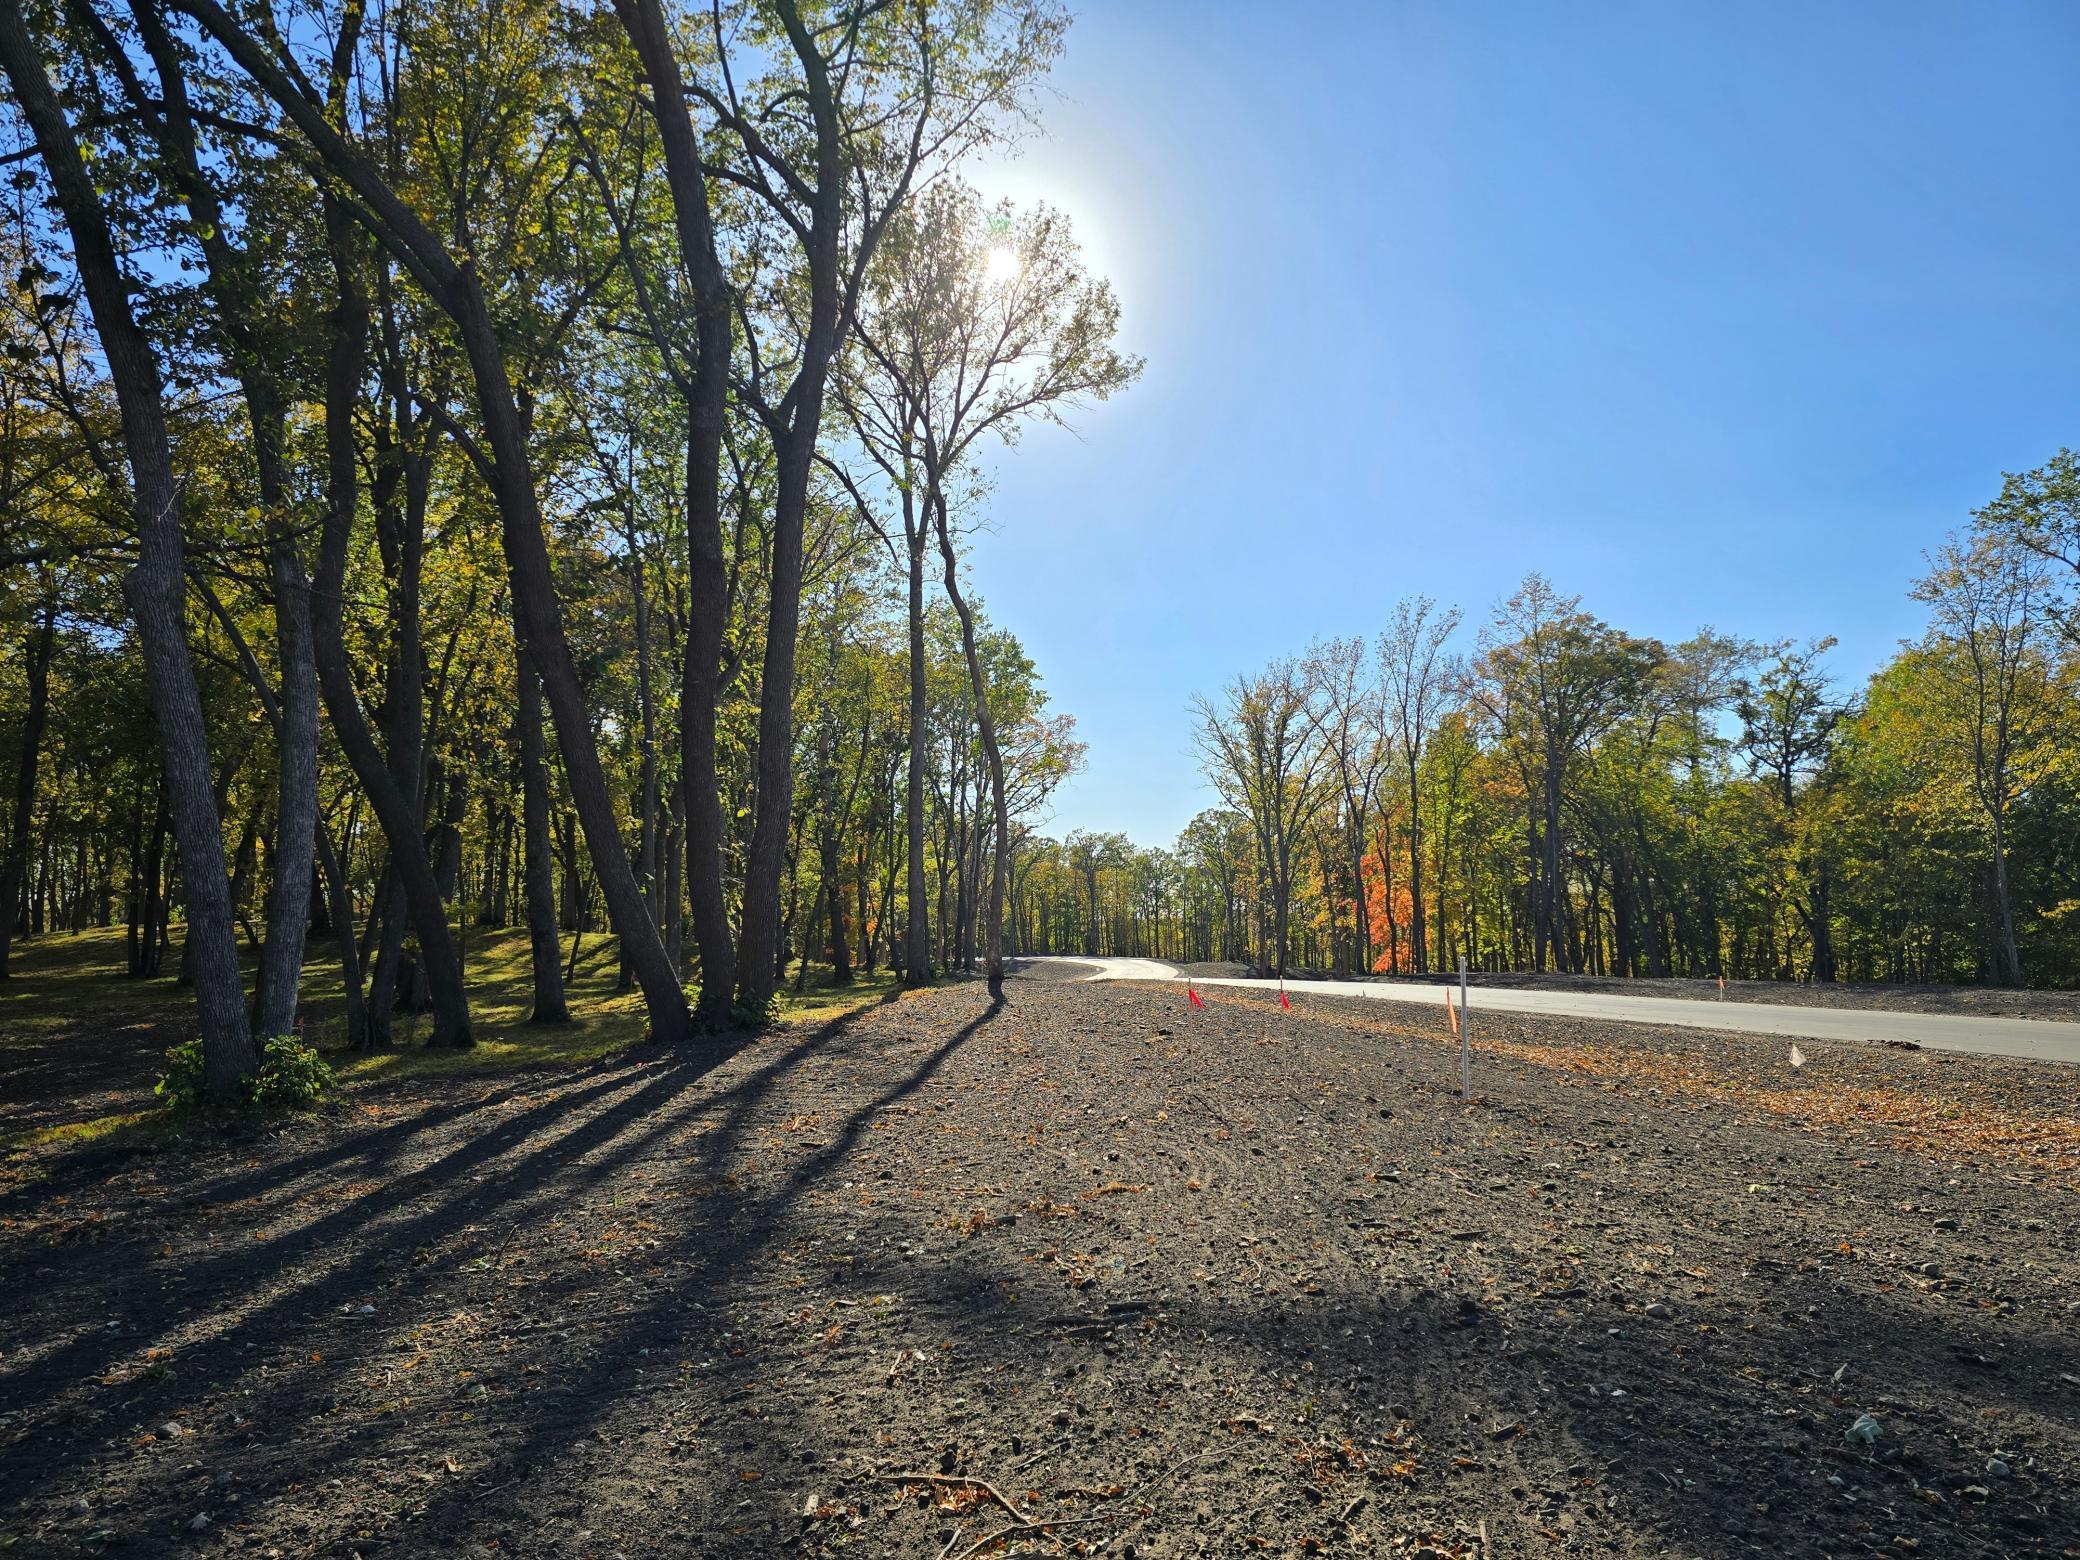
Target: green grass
{"points": [[59, 982], [498, 972], [72, 990], [78, 1134]]}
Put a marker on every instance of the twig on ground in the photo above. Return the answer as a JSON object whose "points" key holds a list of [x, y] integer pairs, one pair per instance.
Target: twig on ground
{"points": [[965, 1482], [1038, 1525]]}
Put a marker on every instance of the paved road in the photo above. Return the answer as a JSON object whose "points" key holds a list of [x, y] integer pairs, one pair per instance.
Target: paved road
{"points": [[2039, 1040]]}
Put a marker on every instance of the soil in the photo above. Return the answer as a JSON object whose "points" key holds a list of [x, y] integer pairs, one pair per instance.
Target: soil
{"points": [[1090, 1272]]}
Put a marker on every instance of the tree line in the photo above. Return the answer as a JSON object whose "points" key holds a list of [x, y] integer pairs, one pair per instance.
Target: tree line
{"points": [[495, 465], [1544, 791]]}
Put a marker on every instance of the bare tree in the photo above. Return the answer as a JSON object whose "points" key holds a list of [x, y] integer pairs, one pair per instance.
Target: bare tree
{"points": [[1353, 726], [1416, 678]]}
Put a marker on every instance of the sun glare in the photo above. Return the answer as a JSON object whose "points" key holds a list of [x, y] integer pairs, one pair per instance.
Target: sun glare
{"points": [[1002, 264]]}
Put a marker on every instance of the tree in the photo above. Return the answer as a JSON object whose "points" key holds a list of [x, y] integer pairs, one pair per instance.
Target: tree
{"points": [[1552, 679], [1417, 676], [1987, 600], [1788, 722], [1265, 751], [507, 468], [2040, 510], [1354, 728], [155, 586], [700, 370], [973, 321], [876, 100], [1090, 854]]}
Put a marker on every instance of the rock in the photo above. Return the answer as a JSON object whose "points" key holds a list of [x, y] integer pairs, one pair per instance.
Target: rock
{"points": [[1996, 1469], [1660, 1310], [1929, 1270], [172, 1430], [1945, 1224], [79, 1506]]}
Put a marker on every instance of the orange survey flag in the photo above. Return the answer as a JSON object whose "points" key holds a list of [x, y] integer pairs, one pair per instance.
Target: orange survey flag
{"points": [[1282, 1002], [1194, 996], [1451, 1012]]}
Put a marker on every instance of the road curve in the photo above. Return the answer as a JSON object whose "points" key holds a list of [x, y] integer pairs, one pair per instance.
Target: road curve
{"points": [[2035, 1039]]}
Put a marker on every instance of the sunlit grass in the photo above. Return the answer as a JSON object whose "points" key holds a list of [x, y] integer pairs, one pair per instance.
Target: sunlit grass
{"points": [[77, 1134], [56, 982], [77, 983]]}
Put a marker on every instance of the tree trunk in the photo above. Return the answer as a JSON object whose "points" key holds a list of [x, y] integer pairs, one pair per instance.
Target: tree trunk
{"points": [[538, 874], [774, 802], [395, 811], [34, 719], [1418, 939], [917, 935], [706, 391], [343, 926], [293, 858], [254, 361]]}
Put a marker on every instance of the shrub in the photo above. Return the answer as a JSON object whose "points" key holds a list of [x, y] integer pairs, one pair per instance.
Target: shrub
{"points": [[181, 1084], [291, 1076], [743, 1016]]}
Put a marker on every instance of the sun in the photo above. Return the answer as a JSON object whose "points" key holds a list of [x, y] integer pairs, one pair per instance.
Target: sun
{"points": [[1002, 264]]}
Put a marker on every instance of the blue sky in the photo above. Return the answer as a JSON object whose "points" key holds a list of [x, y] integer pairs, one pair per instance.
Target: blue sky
{"points": [[1713, 314]]}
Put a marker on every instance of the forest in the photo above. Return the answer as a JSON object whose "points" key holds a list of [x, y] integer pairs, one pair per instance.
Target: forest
{"points": [[1543, 791], [512, 467]]}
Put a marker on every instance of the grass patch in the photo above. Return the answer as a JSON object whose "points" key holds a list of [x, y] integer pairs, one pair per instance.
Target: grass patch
{"points": [[75, 988], [78, 1134]]}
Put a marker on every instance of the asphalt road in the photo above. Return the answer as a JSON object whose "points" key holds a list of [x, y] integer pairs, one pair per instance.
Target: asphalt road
{"points": [[2038, 1040]]}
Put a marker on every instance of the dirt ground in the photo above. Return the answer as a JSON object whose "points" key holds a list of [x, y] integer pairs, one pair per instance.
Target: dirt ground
{"points": [[1087, 1273]]}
